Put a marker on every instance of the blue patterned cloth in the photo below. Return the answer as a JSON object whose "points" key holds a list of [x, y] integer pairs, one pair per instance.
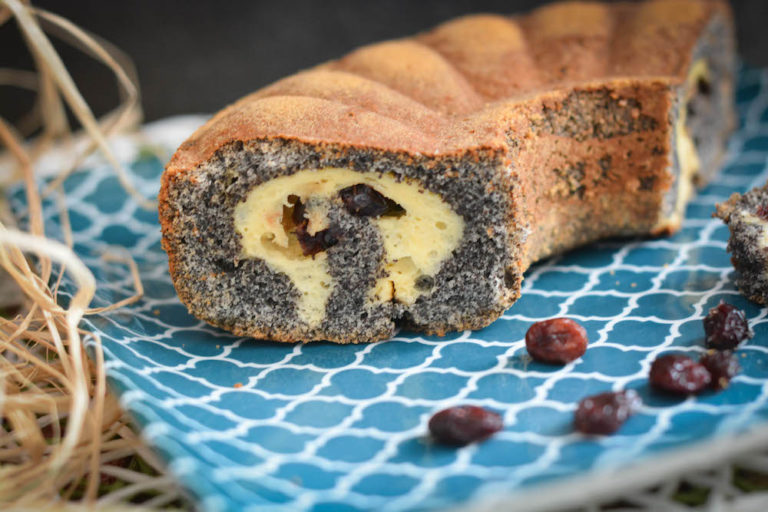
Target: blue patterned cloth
{"points": [[256, 425]]}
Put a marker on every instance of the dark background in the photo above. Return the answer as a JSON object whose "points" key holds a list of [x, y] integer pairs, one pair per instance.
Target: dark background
{"points": [[196, 56]]}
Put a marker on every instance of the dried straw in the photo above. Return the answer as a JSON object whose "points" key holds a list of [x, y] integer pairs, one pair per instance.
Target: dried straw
{"points": [[63, 437]]}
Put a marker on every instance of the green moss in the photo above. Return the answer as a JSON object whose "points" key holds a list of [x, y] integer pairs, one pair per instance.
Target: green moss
{"points": [[691, 495], [750, 481]]}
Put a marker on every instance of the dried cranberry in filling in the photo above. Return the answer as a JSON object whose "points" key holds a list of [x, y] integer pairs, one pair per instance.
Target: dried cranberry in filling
{"points": [[762, 211], [606, 412], [464, 424], [722, 366], [676, 373], [310, 244], [364, 201], [725, 327], [556, 341], [317, 243], [703, 86], [298, 213]]}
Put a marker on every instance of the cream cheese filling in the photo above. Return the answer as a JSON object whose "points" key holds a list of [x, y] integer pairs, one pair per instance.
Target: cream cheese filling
{"points": [[687, 155], [415, 243], [749, 218]]}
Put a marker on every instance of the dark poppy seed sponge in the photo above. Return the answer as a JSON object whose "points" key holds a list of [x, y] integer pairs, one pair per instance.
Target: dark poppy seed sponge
{"points": [[747, 219], [412, 182]]}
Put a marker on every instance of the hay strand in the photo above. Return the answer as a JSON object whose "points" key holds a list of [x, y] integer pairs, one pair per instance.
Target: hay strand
{"points": [[63, 436]]}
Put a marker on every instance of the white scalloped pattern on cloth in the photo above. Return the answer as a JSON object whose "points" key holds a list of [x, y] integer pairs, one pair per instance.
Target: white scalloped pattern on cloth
{"points": [[251, 425]]}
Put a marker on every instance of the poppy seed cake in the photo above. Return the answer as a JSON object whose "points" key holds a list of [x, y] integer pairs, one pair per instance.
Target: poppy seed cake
{"points": [[747, 218], [412, 182]]}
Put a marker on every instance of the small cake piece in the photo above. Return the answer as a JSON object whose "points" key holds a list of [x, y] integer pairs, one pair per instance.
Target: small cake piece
{"points": [[412, 182], [747, 218]]}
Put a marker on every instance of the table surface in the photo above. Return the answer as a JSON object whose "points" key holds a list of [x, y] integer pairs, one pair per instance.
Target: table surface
{"points": [[252, 443]]}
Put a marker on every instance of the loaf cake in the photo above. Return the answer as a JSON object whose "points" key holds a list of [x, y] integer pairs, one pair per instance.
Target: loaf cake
{"points": [[412, 182], [747, 219]]}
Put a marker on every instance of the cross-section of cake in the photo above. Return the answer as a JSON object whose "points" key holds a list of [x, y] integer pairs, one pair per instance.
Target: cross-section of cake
{"points": [[747, 218], [412, 182]]}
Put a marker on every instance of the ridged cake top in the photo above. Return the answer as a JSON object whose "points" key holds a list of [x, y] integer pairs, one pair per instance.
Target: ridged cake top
{"points": [[460, 85]]}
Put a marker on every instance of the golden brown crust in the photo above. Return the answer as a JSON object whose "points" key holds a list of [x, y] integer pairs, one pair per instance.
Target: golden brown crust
{"points": [[457, 82], [725, 209]]}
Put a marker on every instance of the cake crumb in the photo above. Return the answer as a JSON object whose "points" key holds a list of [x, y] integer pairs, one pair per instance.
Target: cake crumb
{"points": [[156, 312], [238, 385], [633, 285]]}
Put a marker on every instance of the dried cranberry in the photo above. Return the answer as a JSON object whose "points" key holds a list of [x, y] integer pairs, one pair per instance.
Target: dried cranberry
{"points": [[677, 373], [298, 223], [364, 201], [464, 424], [606, 412], [298, 211], [703, 86], [762, 211], [320, 241], [556, 341], [722, 366], [726, 327]]}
